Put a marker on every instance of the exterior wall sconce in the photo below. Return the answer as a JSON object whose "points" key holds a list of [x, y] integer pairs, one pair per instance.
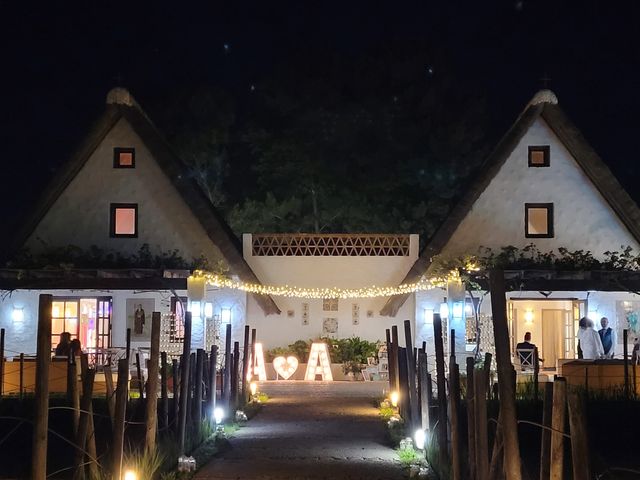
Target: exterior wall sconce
{"points": [[225, 315], [428, 315], [208, 310], [444, 310], [528, 316], [17, 315]]}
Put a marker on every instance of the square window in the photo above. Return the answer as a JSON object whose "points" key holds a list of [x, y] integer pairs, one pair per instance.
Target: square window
{"points": [[124, 220], [538, 220], [124, 157], [539, 156]]}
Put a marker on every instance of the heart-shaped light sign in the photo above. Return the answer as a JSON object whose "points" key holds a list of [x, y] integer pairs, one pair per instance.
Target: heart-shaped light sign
{"points": [[285, 367]]}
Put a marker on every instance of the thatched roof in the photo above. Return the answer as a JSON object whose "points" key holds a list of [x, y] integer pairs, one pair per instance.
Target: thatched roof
{"points": [[121, 105], [543, 105]]}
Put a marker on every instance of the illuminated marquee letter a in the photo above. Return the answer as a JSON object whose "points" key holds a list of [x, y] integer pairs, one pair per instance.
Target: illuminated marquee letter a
{"points": [[319, 363]]}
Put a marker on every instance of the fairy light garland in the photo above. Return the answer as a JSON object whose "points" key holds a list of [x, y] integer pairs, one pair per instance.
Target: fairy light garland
{"points": [[220, 281]]}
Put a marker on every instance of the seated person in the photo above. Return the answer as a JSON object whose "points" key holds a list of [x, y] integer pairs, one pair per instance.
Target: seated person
{"points": [[75, 347], [64, 347], [525, 359]]}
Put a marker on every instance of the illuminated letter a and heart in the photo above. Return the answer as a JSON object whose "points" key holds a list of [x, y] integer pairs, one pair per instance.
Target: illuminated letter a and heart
{"points": [[285, 367]]}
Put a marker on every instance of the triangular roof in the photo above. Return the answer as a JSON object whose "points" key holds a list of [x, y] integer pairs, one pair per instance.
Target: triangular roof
{"points": [[544, 105], [121, 105]]}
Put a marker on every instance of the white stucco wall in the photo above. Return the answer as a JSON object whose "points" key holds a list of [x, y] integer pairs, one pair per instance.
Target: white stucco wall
{"points": [[281, 330], [599, 304], [582, 217], [20, 337], [81, 214], [343, 272]]}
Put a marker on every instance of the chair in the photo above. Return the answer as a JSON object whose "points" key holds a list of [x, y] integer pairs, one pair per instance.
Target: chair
{"points": [[526, 359]]}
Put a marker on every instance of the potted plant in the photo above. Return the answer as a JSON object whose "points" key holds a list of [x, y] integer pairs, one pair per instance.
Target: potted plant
{"points": [[352, 369]]}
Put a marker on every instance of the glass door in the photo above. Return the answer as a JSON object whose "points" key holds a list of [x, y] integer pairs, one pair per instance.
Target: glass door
{"points": [[64, 318]]}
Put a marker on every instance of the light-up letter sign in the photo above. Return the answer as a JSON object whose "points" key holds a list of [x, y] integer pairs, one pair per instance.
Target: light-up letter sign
{"points": [[319, 363]]}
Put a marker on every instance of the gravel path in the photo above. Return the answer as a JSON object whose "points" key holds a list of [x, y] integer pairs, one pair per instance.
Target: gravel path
{"points": [[310, 431]]}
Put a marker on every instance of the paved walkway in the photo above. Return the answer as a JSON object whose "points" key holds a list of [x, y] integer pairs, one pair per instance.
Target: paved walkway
{"points": [[310, 431]]}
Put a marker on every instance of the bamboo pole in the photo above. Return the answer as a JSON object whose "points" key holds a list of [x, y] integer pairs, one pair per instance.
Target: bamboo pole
{"points": [[73, 396], [92, 452], [482, 435], [197, 414], [246, 356], [164, 393], [471, 427], [442, 396], [497, 455], [175, 367], [424, 393], [454, 402], [625, 350], [557, 424], [83, 427], [43, 359], [184, 384], [403, 392], [389, 362], [151, 411], [191, 398], [411, 377], [21, 380], [579, 440], [111, 398], [545, 442], [2, 360], [128, 347], [140, 378], [512, 462], [122, 396], [213, 371], [226, 378], [235, 373], [394, 358]]}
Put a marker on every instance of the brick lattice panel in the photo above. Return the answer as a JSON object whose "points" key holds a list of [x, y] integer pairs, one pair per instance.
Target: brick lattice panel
{"points": [[336, 245]]}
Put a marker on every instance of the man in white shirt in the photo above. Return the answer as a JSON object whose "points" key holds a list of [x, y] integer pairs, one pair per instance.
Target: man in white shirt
{"points": [[590, 342]]}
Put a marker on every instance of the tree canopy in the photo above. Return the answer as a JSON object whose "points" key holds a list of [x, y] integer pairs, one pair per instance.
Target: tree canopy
{"points": [[378, 142]]}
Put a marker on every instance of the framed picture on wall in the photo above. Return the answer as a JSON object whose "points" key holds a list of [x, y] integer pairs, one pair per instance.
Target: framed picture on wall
{"points": [[139, 317]]}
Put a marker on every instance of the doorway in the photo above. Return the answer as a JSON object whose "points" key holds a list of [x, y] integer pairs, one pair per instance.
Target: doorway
{"points": [[88, 319], [553, 322]]}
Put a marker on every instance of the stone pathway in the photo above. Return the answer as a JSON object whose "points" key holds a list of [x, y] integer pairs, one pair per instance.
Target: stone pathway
{"points": [[310, 431]]}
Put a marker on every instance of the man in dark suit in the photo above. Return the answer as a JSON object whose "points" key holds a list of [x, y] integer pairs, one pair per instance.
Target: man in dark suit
{"points": [[526, 347]]}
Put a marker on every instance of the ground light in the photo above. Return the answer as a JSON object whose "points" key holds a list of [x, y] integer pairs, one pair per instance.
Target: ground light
{"points": [[130, 475], [218, 415], [419, 439], [395, 396], [254, 388]]}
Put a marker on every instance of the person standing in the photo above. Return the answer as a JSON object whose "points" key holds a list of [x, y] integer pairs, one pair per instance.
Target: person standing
{"points": [[589, 339], [608, 338]]}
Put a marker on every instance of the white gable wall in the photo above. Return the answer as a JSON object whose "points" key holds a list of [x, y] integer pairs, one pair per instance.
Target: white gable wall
{"points": [[326, 271], [81, 215], [582, 217], [583, 220]]}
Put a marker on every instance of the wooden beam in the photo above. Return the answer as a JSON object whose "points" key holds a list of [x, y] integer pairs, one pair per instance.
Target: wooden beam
{"points": [[512, 462], [184, 384], [43, 360], [442, 395], [151, 412]]}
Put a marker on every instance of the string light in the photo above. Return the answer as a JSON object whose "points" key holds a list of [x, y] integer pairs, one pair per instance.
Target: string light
{"points": [[220, 281]]}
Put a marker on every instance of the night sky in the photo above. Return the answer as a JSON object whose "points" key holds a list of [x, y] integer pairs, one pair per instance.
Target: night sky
{"points": [[59, 60]]}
